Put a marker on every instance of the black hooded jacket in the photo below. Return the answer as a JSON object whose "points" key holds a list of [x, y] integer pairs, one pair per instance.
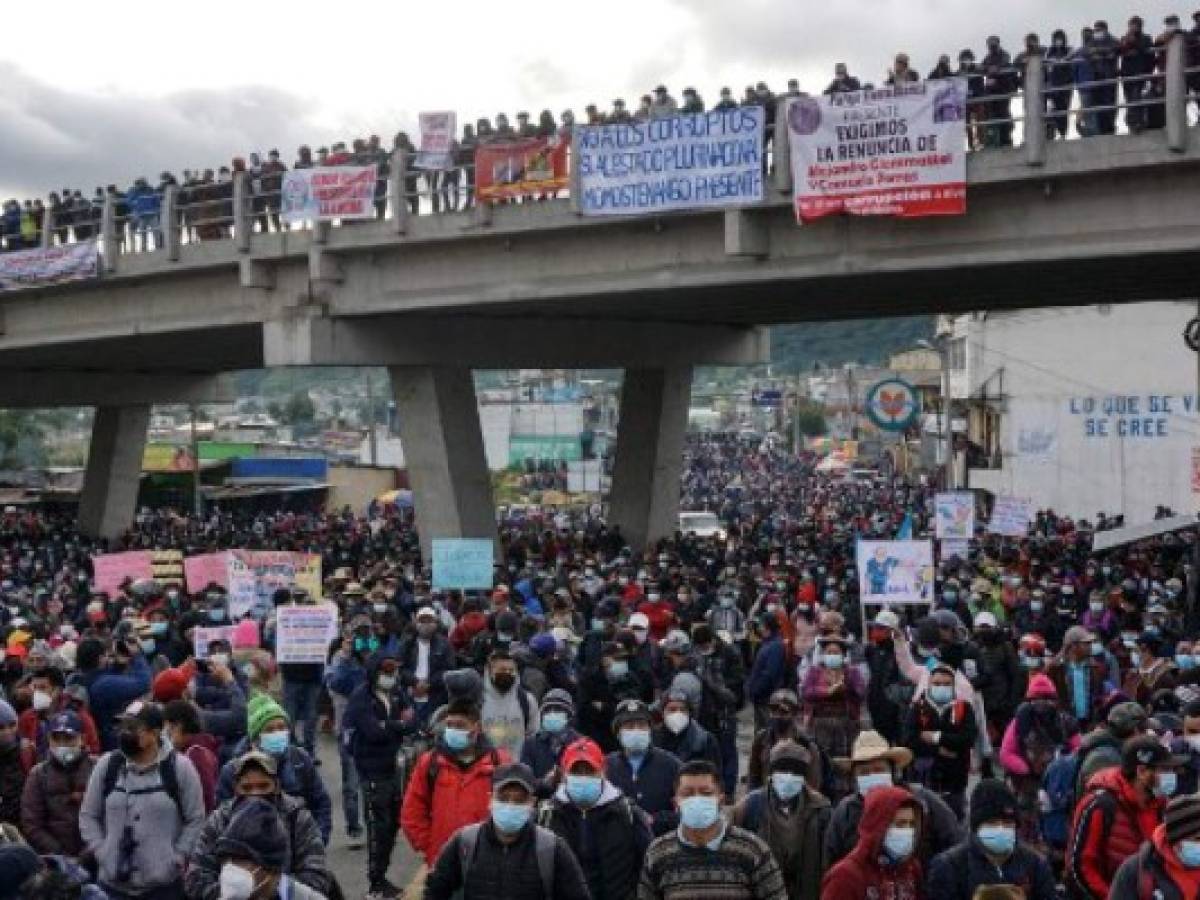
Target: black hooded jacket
{"points": [[372, 730]]}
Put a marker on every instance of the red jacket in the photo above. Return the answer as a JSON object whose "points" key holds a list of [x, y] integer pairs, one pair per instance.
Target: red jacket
{"points": [[463, 797], [31, 730], [661, 616], [861, 874], [1111, 822]]}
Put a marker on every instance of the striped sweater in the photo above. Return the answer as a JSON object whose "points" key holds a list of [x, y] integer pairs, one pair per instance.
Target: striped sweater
{"points": [[741, 868]]}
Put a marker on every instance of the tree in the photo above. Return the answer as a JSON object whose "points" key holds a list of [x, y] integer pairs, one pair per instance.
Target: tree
{"points": [[299, 409], [812, 420]]}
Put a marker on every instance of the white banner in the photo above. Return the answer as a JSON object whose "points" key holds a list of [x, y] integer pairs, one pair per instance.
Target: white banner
{"points": [[1011, 517], [437, 140], [891, 151], [954, 516], [682, 162], [49, 265], [327, 193], [895, 572], [303, 633]]}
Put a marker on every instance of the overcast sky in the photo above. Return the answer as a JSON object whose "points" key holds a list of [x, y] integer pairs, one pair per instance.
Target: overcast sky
{"points": [[94, 93]]}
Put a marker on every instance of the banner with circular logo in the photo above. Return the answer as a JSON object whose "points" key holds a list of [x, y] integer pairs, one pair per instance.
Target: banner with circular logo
{"points": [[892, 404]]}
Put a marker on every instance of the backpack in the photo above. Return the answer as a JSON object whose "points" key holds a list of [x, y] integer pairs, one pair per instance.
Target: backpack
{"points": [[168, 781], [1059, 784], [544, 848]]}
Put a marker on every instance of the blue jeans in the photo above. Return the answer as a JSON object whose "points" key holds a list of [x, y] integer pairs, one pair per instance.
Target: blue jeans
{"points": [[300, 703], [350, 780]]}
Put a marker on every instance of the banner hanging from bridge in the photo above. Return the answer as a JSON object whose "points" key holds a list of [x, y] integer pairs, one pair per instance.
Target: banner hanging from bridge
{"points": [[894, 151], [530, 167], [327, 193], [711, 159], [49, 265], [437, 140]]}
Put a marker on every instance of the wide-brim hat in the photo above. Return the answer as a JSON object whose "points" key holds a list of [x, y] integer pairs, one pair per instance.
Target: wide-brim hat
{"points": [[870, 746]]}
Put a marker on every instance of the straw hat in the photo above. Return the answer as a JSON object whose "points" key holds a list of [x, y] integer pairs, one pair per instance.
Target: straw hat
{"points": [[870, 746]]}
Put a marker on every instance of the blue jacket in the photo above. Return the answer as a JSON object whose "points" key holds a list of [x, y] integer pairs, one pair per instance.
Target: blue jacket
{"points": [[769, 672], [298, 777], [345, 674], [653, 789], [110, 691], [542, 749], [371, 732]]}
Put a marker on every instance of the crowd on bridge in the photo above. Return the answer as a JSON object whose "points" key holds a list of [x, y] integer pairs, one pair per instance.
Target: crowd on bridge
{"points": [[1081, 79], [574, 730]]}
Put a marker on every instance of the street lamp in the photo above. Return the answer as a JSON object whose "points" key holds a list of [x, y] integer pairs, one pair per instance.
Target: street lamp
{"points": [[941, 345]]}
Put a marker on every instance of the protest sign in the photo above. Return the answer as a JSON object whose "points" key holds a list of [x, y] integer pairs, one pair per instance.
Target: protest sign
{"points": [[327, 193], [437, 140], [202, 637], [890, 151], [255, 575], [1011, 517], [208, 568], [530, 167], [111, 569], [954, 516], [895, 572], [49, 265], [951, 549], [167, 566], [303, 633], [462, 563], [711, 159]]}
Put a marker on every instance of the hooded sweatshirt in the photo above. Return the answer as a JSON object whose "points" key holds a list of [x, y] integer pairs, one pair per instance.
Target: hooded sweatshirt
{"points": [[866, 872], [507, 717]]}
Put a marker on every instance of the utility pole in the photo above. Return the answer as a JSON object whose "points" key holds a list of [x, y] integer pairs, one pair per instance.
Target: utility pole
{"points": [[197, 500], [948, 413], [371, 436]]}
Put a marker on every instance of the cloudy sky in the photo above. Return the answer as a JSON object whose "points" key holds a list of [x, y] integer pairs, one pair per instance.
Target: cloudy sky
{"points": [[94, 93]]}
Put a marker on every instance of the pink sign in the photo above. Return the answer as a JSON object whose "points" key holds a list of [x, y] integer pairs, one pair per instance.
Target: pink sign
{"points": [[112, 569], [209, 568]]}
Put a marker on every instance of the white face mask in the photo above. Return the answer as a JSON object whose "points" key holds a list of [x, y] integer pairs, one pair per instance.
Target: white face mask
{"points": [[676, 722], [235, 883]]}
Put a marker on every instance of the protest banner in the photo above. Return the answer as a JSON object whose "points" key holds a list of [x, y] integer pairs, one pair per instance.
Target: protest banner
{"points": [[303, 633], [712, 159], [895, 572], [110, 570], [462, 563], [437, 140], [255, 575], [202, 637], [49, 265], [1011, 517], [954, 516], [890, 151], [530, 167], [327, 193], [208, 568]]}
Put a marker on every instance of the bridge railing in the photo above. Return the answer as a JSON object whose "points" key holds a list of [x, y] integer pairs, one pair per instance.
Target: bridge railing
{"points": [[223, 212]]}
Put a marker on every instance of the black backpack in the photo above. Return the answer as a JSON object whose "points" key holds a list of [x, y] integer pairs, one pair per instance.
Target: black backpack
{"points": [[114, 768]]}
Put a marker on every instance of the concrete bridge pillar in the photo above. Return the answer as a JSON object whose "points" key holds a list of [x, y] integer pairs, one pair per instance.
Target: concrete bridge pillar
{"points": [[114, 467], [649, 461], [443, 450]]}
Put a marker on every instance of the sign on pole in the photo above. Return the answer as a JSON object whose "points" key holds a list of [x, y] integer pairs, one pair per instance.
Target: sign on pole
{"points": [[303, 633], [255, 575], [954, 516], [437, 140], [892, 404], [462, 563], [890, 151], [895, 572], [1011, 517]]}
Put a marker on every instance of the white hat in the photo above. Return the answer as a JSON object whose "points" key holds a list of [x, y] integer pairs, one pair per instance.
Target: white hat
{"points": [[885, 618], [985, 618], [427, 612], [639, 620]]}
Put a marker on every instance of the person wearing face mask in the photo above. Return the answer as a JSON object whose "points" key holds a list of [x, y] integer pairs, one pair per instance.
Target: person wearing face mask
{"points": [[941, 730], [112, 680], [784, 725], [1149, 672], [542, 750], [1168, 865], [707, 856], [991, 853], [604, 687], [54, 790], [832, 696], [268, 729], [424, 657], [1120, 809], [510, 713], [644, 773], [47, 702], [680, 735], [508, 856], [606, 831], [998, 676], [884, 861], [347, 670], [1188, 745], [215, 687], [791, 817], [1078, 676], [260, 816], [183, 728], [450, 784], [1059, 81], [142, 811], [769, 671]]}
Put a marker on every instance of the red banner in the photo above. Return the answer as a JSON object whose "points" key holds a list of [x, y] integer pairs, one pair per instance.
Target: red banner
{"points": [[530, 167]]}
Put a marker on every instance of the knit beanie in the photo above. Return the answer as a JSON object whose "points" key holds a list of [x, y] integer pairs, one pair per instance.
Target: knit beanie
{"points": [[1182, 818], [557, 698], [992, 799], [260, 710], [1041, 688], [255, 832], [17, 863]]}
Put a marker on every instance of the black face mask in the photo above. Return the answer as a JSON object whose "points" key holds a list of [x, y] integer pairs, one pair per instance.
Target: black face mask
{"points": [[504, 683], [131, 743]]}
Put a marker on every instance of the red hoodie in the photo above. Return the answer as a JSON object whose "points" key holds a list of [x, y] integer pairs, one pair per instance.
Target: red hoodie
{"points": [[862, 874], [1111, 821]]}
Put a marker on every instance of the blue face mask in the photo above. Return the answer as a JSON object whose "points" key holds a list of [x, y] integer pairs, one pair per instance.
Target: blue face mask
{"points": [[273, 742], [1031, 662], [554, 722], [1165, 784], [510, 817], [1188, 853], [147, 646], [618, 668], [998, 840], [699, 813], [456, 739], [941, 693], [1184, 660], [584, 789], [635, 740], [898, 843], [787, 785], [833, 660], [868, 783], [158, 629], [217, 614]]}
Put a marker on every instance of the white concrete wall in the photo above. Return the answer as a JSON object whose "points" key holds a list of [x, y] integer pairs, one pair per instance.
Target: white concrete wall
{"points": [[1100, 412]]}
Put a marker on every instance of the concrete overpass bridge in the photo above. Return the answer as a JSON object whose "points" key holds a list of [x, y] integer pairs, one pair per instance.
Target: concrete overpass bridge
{"points": [[1107, 219]]}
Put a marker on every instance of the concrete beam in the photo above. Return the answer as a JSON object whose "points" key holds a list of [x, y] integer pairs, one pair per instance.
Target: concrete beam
{"points": [[500, 343], [32, 389], [443, 450], [114, 467], [645, 492]]}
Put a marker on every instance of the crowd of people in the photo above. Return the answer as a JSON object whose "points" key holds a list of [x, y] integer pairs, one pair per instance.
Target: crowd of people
{"points": [[1087, 76], [574, 731]]}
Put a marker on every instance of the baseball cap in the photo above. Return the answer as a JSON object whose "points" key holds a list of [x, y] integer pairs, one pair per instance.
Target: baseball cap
{"points": [[631, 711], [985, 619], [426, 612], [1147, 750], [514, 773], [885, 618], [639, 620], [583, 750], [149, 715], [256, 759], [66, 723], [676, 642], [1077, 634]]}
